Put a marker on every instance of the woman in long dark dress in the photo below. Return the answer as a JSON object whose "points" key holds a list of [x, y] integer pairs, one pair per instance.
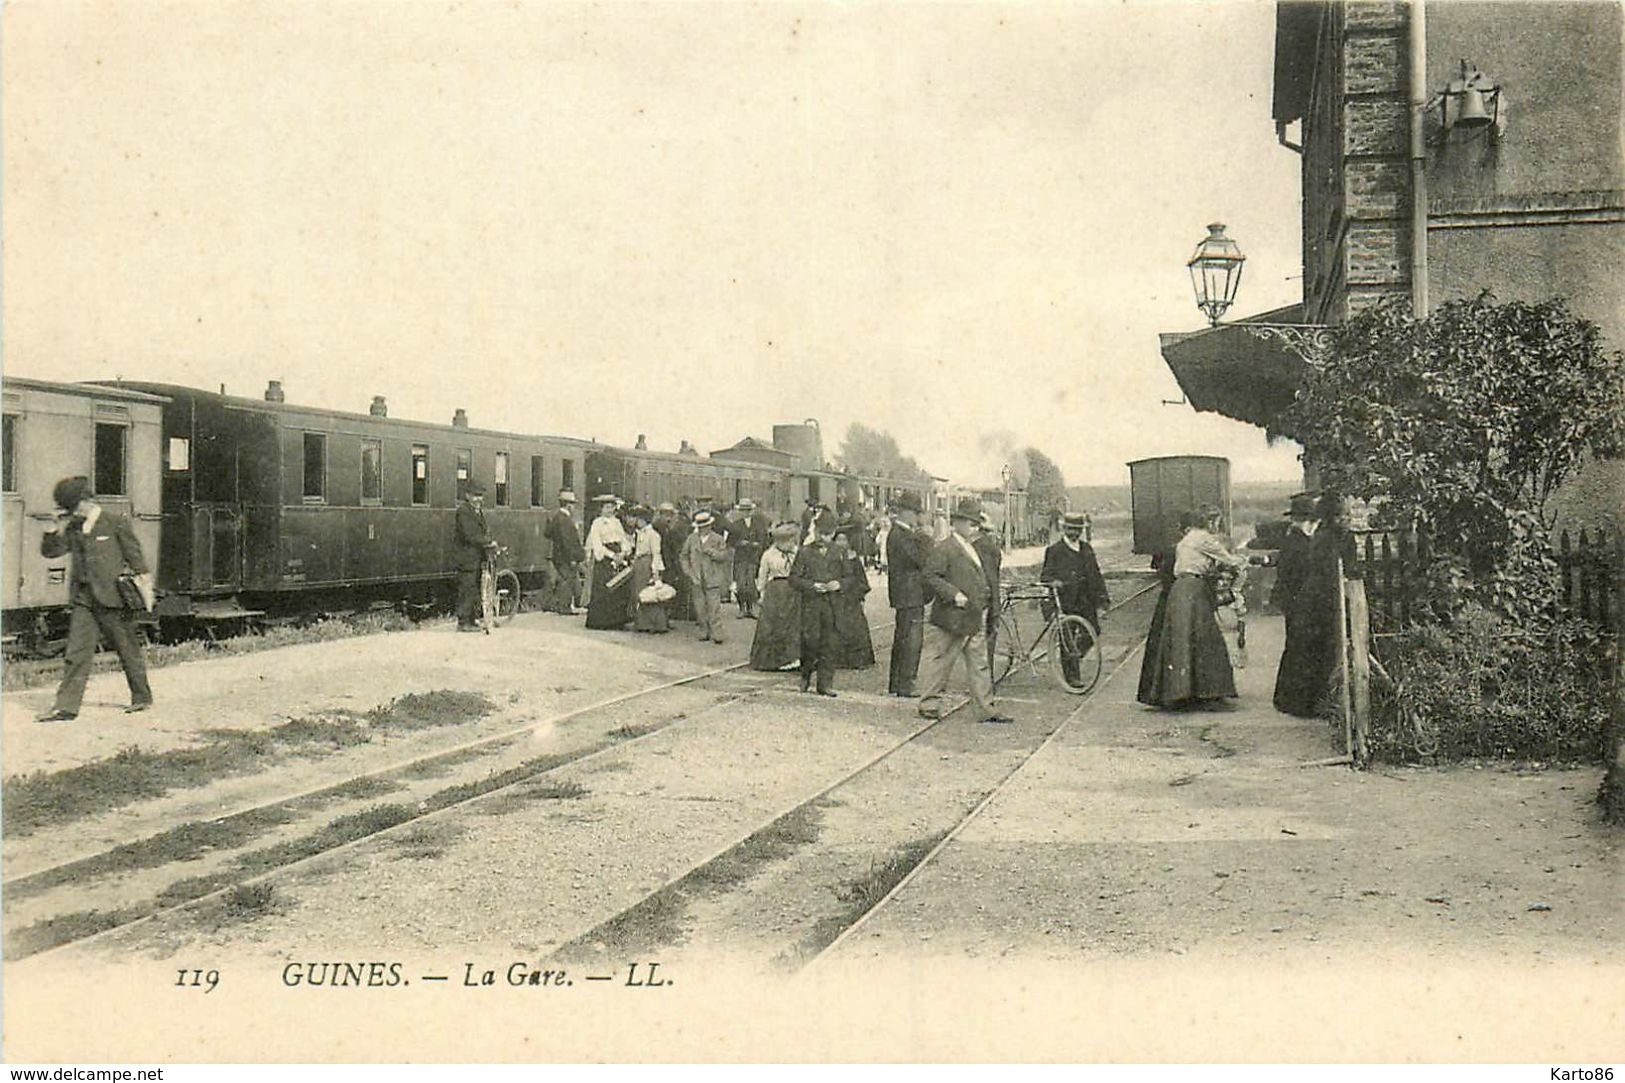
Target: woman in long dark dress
{"points": [[1294, 694], [1315, 613], [857, 649], [1162, 564], [1192, 663], [777, 643], [608, 548]]}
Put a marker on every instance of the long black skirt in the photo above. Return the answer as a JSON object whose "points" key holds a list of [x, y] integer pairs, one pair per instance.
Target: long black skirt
{"points": [[1190, 660], [855, 648], [777, 642], [1307, 662], [609, 605]]}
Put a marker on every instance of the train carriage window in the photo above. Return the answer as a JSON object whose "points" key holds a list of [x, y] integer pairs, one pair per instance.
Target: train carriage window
{"points": [[8, 455], [538, 482], [110, 447], [315, 466], [372, 475], [179, 459], [465, 470], [569, 468], [420, 474], [499, 480]]}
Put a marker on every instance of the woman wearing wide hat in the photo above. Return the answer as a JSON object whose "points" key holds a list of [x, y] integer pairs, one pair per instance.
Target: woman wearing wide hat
{"points": [[609, 548], [1189, 663], [777, 643]]}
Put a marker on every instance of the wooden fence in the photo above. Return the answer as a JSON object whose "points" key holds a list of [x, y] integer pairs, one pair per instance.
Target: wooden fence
{"points": [[1392, 563]]}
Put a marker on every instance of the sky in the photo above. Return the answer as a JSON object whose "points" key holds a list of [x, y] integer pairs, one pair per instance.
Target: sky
{"points": [[964, 224]]}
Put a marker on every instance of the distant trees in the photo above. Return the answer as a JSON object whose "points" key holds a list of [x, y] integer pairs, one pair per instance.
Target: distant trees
{"points": [[871, 451], [1046, 487]]}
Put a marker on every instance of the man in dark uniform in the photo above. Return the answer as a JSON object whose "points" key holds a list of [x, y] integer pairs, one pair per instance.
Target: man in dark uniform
{"points": [[103, 545], [1070, 561], [816, 576], [565, 556], [747, 536], [470, 540], [906, 550], [673, 530]]}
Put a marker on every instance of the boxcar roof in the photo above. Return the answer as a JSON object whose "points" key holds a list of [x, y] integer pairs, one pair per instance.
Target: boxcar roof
{"points": [[1179, 458], [177, 391], [90, 390]]}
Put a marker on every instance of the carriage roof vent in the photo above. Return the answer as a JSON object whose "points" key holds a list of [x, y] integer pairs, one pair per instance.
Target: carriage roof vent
{"points": [[273, 392], [379, 407], [460, 418]]}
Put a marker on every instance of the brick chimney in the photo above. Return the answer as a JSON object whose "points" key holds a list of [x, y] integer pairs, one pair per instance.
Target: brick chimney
{"points": [[273, 392], [379, 407], [460, 418]]}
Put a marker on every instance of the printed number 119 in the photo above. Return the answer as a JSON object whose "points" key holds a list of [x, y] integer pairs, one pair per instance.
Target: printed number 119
{"points": [[197, 979]]}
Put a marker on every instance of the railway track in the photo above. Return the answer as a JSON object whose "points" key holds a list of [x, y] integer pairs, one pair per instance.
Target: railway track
{"points": [[491, 769]]}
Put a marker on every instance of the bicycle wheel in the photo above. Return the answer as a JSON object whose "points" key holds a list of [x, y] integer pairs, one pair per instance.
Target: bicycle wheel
{"points": [[488, 600], [509, 596], [1076, 654], [1006, 646]]}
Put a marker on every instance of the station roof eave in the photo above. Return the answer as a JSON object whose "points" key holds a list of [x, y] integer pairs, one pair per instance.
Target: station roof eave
{"points": [[1241, 369]]}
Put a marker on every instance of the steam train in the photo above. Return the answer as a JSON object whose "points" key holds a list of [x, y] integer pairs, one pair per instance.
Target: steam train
{"points": [[257, 508]]}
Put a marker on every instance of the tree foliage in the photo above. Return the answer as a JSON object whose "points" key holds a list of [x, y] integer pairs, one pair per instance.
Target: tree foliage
{"points": [[1046, 487], [1463, 425], [871, 451]]}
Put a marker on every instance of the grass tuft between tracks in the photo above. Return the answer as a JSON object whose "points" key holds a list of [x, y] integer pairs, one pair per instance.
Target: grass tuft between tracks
{"points": [[659, 920], [47, 798], [858, 896]]}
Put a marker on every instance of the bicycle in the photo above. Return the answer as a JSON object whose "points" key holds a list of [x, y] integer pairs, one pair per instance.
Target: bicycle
{"points": [[1064, 638], [500, 594]]}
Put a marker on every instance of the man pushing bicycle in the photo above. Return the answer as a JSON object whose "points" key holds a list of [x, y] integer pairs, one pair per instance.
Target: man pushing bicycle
{"points": [[1070, 562]]}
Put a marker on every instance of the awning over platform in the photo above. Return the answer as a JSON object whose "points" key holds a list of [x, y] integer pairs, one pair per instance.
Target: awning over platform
{"points": [[1248, 369]]}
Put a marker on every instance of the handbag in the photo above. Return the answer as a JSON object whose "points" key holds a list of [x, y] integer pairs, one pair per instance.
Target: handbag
{"points": [[619, 577], [656, 592], [129, 593]]}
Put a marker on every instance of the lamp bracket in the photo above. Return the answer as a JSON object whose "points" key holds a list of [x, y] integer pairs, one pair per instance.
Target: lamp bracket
{"points": [[1309, 341]]}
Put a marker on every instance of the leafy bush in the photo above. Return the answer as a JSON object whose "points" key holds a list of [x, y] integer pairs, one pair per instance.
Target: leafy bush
{"points": [[1463, 425], [1479, 688]]}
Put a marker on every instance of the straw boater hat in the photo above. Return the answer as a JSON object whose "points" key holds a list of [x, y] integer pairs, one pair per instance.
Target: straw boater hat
{"points": [[566, 496], [1075, 518], [606, 498], [747, 504], [703, 518], [666, 505]]}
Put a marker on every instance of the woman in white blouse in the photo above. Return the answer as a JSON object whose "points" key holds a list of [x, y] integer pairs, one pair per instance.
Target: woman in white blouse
{"points": [[777, 643], [609, 548], [648, 567], [1186, 659]]}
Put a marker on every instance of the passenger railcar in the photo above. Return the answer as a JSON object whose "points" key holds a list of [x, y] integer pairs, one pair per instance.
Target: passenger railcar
{"points": [[655, 477], [273, 507], [57, 430], [1160, 489]]}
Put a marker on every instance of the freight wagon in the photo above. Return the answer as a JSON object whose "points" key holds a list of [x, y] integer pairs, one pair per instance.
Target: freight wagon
{"points": [[1161, 489]]}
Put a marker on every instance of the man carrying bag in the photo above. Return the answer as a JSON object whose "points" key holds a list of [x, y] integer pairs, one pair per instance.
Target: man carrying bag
{"points": [[108, 582]]}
